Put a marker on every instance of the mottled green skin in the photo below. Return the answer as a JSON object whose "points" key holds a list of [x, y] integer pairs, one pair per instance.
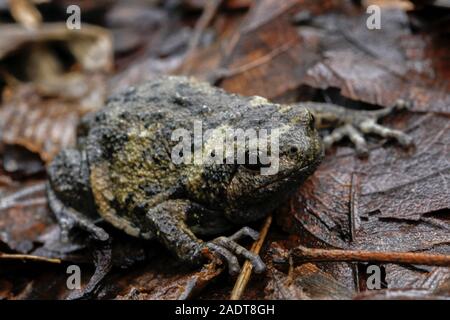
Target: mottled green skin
{"points": [[136, 186]]}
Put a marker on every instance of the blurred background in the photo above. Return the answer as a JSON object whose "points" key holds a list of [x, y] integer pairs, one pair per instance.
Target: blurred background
{"points": [[58, 63]]}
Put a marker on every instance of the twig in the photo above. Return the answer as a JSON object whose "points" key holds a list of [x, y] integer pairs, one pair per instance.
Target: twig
{"points": [[11, 199], [302, 254], [246, 271], [8, 256], [221, 73], [209, 12]]}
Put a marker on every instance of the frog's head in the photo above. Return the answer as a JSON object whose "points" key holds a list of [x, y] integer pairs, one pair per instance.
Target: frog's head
{"points": [[259, 188], [68, 175]]}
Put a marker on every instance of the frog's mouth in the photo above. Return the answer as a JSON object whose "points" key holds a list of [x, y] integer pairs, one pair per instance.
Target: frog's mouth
{"points": [[289, 177]]}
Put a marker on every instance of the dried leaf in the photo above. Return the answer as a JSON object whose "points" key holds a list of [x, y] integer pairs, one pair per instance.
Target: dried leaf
{"points": [[46, 125], [305, 282], [167, 283], [266, 56], [381, 66], [393, 190], [91, 46], [24, 216]]}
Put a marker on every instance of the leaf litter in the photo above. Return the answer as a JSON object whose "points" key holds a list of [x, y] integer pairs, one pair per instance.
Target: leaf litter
{"points": [[395, 200]]}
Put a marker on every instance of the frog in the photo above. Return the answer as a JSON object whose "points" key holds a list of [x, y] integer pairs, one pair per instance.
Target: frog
{"points": [[122, 170]]}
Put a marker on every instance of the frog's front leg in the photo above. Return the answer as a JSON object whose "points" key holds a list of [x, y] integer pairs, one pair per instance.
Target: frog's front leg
{"points": [[69, 218], [354, 124], [168, 220]]}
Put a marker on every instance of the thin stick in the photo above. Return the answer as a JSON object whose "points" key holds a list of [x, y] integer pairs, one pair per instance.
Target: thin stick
{"points": [[222, 73], [8, 256], [209, 12], [246, 271], [302, 254]]}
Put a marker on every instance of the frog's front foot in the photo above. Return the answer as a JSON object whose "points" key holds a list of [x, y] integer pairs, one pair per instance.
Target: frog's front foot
{"points": [[356, 124], [228, 249]]}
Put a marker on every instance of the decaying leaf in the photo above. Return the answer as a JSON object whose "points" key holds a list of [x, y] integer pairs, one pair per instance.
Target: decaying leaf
{"points": [[396, 200], [380, 66], [266, 56], [159, 284], [90, 46], [47, 92], [392, 201], [398, 277], [408, 284], [392, 185], [45, 125], [23, 216], [305, 282], [19, 162]]}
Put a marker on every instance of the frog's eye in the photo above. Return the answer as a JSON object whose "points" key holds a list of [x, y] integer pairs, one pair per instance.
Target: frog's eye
{"points": [[293, 150]]}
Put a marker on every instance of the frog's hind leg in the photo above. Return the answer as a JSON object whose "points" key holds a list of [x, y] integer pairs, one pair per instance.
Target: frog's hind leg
{"points": [[168, 219], [68, 218]]}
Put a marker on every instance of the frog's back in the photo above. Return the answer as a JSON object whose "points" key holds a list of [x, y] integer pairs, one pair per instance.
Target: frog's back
{"points": [[129, 144]]}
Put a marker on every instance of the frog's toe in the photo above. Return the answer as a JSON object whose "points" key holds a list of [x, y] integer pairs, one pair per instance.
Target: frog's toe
{"points": [[239, 250], [370, 126], [351, 133], [72, 219], [227, 248], [337, 135], [225, 254], [358, 140], [245, 232], [402, 104]]}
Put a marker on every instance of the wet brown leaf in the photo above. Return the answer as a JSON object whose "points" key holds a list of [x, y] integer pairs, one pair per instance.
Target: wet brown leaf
{"points": [[266, 56], [46, 95], [27, 226], [392, 187], [163, 278], [409, 283], [393, 201], [20, 162], [398, 277], [305, 282], [91, 46], [381, 66], [229, 4], [23, 218], [46, 125]]}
